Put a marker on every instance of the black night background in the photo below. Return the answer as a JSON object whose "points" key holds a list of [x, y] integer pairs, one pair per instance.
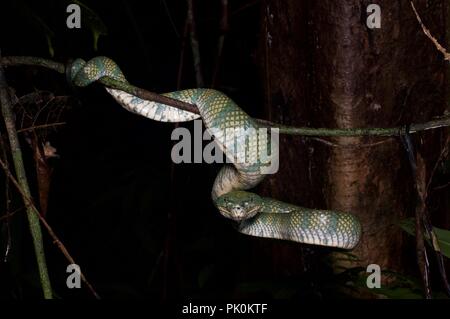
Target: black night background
{"points": [[141, 227]]}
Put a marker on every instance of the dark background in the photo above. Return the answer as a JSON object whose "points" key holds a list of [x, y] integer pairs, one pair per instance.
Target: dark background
{"points": [[141, 227], [112, 190]]}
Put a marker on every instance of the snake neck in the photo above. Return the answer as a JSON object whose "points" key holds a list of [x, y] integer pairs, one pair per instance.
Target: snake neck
{"points": [[230, 179], [220, 115]]}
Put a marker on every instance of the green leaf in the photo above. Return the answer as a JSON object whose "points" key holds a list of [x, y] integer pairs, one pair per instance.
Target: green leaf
{"points": [[443, 236], [400, 286], [277, 289], [399, 293], [92, 20], [49, 34], [204, 275], [38, 25]]}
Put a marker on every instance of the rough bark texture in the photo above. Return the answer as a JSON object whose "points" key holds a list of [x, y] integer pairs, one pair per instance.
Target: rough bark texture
{"points": [[325, 68]]}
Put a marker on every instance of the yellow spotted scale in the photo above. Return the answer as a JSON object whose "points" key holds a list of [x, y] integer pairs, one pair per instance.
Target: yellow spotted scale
{"points": [[255, 215]]}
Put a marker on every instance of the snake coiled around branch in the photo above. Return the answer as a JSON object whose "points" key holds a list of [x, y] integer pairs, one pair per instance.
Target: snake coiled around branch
{"points": [[255, 215]]}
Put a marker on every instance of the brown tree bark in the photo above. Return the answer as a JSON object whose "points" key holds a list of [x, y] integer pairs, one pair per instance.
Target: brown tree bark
{"points": [[323, 67]]}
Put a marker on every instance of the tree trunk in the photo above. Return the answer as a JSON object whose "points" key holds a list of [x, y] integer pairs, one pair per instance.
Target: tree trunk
{"points": [[323, 67]]}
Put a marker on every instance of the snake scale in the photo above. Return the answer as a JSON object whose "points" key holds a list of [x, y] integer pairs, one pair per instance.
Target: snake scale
{"points": [[255, 215]]}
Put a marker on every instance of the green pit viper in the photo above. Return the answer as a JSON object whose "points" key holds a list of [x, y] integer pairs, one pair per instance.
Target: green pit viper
{"points": [[254, 215]]}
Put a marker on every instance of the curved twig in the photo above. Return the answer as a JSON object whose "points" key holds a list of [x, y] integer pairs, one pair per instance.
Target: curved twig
{"points": [[283, 129]]}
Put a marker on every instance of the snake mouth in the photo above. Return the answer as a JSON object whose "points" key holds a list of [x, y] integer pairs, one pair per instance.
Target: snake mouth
{"points": [[225, 212], [252, 212], [239, 217]]}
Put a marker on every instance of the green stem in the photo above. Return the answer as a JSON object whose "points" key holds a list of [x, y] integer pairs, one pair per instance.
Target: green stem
{"points": [[376, 131], [194, 44], [34, 61], [284, 129], [16, 152]]}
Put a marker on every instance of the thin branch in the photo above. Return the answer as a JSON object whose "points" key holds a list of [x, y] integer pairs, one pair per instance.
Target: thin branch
{"points": [[194, 44], [35, 228], [427, 32], [224, 27], [33, 61], [283, 129], [442, 155], [150, 96], [245, 7], [42, 126], [169, 16], [354, 132], [56, 240], [422, 187], [441, 186], [420, 215], [182, 52], [7, 215]]}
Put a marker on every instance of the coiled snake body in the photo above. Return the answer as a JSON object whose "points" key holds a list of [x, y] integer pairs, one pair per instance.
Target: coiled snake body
{"points": [[256, 216]]}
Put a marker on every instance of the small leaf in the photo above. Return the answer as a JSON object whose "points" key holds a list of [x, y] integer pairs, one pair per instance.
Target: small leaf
{"points": [[92, 20], [443, 236], [399, 293], [408, 226], [204, 275], [39, 25], [277, 289], [49, 34]]}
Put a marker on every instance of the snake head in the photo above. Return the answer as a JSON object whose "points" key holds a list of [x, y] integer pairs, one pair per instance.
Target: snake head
{"points": [[239, 205]]}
